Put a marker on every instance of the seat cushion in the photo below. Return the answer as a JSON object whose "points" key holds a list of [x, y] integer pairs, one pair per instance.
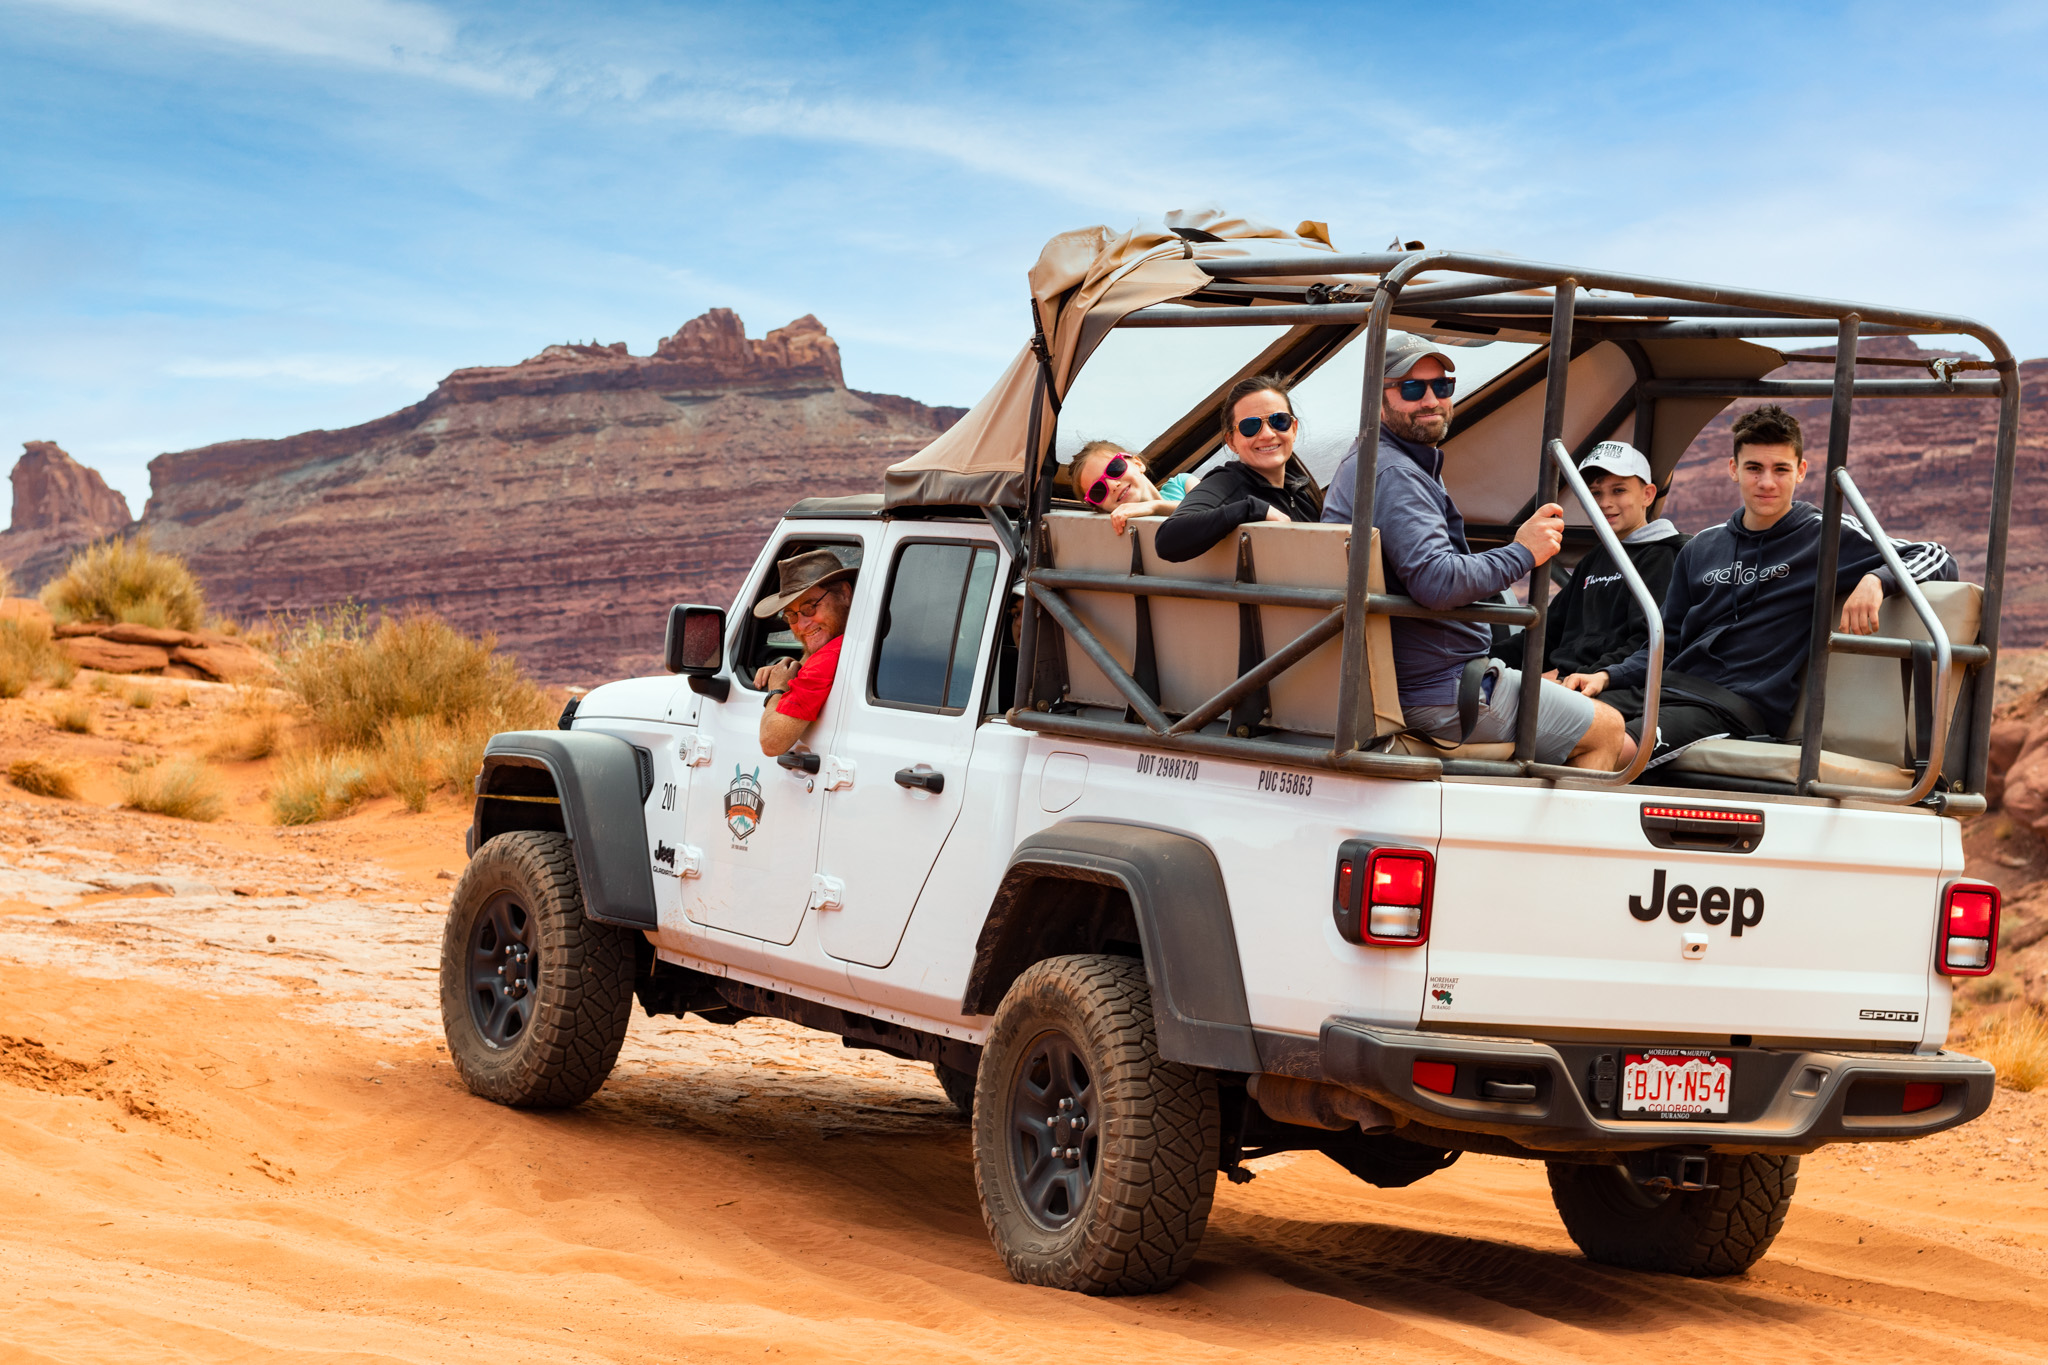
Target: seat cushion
{"points": [[1780, 763]]}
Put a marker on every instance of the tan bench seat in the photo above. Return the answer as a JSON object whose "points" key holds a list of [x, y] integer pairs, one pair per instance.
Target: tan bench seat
{"points": [[1196, 643], [1866, 732]]}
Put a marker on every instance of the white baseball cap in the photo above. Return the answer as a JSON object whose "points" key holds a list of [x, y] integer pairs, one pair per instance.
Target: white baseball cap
{"points": [[1618, 457]]}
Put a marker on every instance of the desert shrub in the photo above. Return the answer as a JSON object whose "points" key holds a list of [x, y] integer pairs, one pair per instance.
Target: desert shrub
{"points": [[314, 786], [2017, 1044], [417, 667], [247, 740], [141, 698], [183, 787], [73, 716], [28, 653], [42, 777], [408, 754], [125, 580]]}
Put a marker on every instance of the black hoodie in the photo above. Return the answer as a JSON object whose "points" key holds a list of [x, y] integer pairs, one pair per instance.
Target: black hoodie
{"points": [[1595, 622], [1741, 603]]}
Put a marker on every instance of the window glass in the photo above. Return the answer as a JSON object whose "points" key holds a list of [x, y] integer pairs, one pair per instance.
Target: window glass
{"points": [[981, 580], [914, 656]]}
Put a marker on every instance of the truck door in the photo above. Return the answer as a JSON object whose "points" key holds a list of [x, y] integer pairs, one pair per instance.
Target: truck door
{"points": [[907, 721], [753, 822]]}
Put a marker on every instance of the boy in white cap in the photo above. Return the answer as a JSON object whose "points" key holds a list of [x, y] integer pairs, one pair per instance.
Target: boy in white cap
{"points": [[1595, 622]]}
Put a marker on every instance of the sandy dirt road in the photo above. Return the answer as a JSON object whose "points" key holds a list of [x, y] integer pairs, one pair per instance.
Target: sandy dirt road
{"points": [[228, 1132]]}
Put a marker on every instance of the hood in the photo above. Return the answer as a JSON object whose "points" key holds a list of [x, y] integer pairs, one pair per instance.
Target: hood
{"points": [[1800, 515], [1650, 532]]}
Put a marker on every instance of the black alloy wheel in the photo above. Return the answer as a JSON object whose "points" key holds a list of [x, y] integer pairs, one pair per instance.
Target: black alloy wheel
{"points": [[1055, 1141], [535, 995], [504, 969]]}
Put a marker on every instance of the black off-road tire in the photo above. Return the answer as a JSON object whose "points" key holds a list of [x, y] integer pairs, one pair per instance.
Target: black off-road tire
{"points": [[544, 1033], [1125, 1215], [1721, 1231], [958, 1085]]}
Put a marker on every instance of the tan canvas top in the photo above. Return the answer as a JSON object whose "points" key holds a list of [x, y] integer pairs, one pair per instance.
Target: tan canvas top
{"points": [[1083, 283]]}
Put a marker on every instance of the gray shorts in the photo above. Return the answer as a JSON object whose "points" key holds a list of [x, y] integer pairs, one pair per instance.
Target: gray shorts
{"points": [[1562, 716]]}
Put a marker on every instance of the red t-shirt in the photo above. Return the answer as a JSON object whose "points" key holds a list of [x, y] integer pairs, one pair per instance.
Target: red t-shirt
{"points": [[812, 684]]}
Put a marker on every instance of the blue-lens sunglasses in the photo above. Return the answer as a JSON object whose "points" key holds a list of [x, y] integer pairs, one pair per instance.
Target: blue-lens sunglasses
{"points": [[1411, 389]]}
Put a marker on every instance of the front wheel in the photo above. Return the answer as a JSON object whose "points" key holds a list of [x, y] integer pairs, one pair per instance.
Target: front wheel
{"points": [[1722, 1231], [535, 997], [1095, 1160]]}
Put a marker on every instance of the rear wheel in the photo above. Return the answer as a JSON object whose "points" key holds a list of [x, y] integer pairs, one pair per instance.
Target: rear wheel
{"points": [[534, 996], [1095, 1160], [1721, 1231]]}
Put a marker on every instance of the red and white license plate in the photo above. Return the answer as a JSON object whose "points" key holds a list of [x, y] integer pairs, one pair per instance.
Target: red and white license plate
{"points": [[1676, 1083]]}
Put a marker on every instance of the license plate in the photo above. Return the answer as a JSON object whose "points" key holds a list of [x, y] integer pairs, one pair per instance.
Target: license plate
{"points": [[1676, 1083]]}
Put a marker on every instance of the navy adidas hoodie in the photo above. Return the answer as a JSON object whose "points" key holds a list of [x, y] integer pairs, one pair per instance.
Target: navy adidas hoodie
{"points": [[1740, 604]]}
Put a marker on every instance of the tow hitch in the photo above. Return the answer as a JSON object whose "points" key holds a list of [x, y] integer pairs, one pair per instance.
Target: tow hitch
{"points": [[1683, 1171]]}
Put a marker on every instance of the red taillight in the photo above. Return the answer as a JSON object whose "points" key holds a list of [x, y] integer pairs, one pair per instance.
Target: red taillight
{"points": [[1438, 1077], [1921, 1095], [1398, 878], [1968, 940], [1383, 894]]}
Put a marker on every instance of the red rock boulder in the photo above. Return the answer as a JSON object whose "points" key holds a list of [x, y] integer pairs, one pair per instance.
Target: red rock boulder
{"points": [[109, 656]]}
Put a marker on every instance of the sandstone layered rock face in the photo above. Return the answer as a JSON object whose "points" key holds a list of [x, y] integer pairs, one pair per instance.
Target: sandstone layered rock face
{"points": [[563, 503], [59, 506], [1924, 465]]}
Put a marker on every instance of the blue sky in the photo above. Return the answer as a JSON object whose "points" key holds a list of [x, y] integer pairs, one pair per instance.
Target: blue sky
{"points": [[229, 218]]}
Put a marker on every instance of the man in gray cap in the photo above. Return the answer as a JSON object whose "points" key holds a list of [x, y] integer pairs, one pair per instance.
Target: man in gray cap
{"points": [[1452, 690], [815, 597], [1595, 623]]}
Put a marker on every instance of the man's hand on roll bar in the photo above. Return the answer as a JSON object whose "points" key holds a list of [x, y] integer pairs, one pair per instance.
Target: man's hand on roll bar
{"points": [[1543, 533], [1859, 613], [1592, 684]]}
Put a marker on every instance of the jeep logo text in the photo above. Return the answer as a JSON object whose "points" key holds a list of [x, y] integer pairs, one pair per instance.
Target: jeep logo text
{"points": [[1715, 905]]}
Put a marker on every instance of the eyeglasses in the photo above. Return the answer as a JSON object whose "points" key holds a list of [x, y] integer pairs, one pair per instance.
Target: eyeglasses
{"points": [[1412, 389], [795, 611], [1281, 422], [1099, 490]]}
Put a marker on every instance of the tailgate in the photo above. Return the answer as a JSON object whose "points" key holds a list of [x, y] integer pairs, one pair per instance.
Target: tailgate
{"points": [[1533, 926]]}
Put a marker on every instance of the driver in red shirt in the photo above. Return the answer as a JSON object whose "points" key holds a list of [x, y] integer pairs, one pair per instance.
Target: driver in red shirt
{"points": [[816, 595]]}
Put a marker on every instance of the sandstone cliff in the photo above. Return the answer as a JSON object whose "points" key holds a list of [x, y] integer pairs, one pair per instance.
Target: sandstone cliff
{"points": [[563, 502], [1924, 465], [59, 505]]}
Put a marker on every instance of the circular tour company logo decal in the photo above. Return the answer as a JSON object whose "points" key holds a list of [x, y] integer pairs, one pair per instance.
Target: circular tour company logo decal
{"points": [[743, 803]]}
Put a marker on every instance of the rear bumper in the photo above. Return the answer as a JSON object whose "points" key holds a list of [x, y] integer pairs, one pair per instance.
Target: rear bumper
{"points": [[1784, 1100]]}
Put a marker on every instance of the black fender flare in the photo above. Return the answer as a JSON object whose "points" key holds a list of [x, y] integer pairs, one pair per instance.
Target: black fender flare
{"points": [[599, 784], [1177, 897]]}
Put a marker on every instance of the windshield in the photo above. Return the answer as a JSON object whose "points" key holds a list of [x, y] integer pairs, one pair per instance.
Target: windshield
{"points": [[1140, 381]]}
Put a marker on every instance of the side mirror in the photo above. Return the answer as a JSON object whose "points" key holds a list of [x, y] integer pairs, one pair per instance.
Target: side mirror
{"points": [[696, 640]]}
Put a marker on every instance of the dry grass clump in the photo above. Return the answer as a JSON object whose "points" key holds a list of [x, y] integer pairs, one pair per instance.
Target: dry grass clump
{"points": [[317, 786], [43, 778], [72, 716], [28, 653], [141, 698], [183, 787], [247, 740], [2017, 1044], [404, 707], [125, 580]]}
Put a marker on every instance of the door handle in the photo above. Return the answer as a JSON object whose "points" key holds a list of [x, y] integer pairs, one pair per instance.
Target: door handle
{"points": [[924, 779], [799, 763]]}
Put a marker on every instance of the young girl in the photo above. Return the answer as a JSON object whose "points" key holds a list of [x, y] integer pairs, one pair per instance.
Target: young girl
{"points": [[1111, 479]]}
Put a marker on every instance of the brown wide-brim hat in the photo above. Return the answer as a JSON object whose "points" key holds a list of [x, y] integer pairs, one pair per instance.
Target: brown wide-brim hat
{"points": [[812, 569]]}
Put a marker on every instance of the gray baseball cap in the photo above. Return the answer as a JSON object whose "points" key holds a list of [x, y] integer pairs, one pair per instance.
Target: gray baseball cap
{"points": [[1404, 355], [1618, 457]]}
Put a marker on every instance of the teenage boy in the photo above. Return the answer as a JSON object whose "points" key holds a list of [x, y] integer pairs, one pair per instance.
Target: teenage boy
{"points": [[1596, 622], [1740, 604]]}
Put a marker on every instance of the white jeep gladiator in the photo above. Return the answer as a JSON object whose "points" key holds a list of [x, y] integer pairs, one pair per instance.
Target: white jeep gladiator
{"points": [[1139, 857]]}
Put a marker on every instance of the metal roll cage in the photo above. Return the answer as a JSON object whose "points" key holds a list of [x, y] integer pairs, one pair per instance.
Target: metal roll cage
{"points": [[1659, 309]]}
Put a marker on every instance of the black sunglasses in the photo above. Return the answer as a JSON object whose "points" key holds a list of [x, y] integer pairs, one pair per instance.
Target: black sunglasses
{"points": [[1099, 490], [1411, 389], [1281, 422]]}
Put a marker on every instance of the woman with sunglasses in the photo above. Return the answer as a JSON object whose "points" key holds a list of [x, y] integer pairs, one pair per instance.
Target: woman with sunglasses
{"points": [[1264, 483], [1111, 479]]}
